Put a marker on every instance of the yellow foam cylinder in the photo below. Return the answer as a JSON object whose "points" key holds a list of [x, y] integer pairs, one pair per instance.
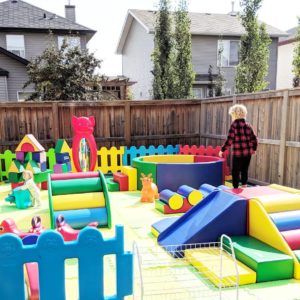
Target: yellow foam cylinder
{"points": [[284, 188], [174, 200], [78, 201], [193, 196], [280, 202]]}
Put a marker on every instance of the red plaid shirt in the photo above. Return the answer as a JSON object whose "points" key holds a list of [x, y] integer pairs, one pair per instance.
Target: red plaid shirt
{"points": [[242, 137]]}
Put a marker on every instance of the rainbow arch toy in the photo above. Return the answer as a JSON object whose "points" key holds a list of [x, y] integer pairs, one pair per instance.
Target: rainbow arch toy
{"points": [[82, 198]]}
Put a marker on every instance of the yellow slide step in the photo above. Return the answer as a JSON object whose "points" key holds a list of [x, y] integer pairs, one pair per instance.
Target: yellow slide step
{"points": [[207, 262]]}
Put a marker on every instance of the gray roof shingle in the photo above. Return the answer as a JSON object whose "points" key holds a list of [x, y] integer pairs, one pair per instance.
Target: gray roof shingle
{"points": [[292, 35], [19, 14], [205, 23]]}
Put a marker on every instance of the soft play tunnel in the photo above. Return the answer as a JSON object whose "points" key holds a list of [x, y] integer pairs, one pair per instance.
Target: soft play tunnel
{"points": [[82, 198]]}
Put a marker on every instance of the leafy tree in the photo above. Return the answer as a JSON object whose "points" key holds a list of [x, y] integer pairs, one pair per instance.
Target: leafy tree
{"points": [[296, 59], [254, 51], [162, 56], [183, 52], [210, 79], [64, 74]]}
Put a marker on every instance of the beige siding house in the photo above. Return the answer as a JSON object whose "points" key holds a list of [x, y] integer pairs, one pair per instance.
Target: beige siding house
{"points": [[286, 48], [209, 33], [24, 34]]}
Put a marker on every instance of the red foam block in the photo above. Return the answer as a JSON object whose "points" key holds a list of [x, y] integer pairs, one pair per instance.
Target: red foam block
{"points": [[292, 237], [185, 207], [122, 179], [16, 184]]}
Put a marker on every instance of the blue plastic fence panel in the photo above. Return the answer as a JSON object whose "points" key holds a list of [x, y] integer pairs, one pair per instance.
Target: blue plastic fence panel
{"points": [[133, 152], [50, 253]]}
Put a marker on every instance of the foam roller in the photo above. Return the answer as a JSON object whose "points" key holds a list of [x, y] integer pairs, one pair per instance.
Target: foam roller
{"points": [[174, 200], [193, 196]]}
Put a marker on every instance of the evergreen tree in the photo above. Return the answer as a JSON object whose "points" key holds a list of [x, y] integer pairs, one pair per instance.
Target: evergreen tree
{"points": [[64, 74], [210, 79], [162, 56], [220, 80], [254, 51], [296, 59], [184, 75]]}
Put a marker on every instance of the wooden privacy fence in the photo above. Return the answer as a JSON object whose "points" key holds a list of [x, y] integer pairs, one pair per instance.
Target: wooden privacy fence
{"points": [[50, 254], [274, 116]]}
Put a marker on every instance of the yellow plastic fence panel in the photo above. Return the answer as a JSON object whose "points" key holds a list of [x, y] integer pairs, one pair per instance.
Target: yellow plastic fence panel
{"points": [[132, 177], [262, 228], [110, 160]]}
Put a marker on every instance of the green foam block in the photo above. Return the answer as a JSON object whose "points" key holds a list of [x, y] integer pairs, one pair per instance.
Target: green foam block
{"points": [[268, 262], [112, 186], [160, 206]]}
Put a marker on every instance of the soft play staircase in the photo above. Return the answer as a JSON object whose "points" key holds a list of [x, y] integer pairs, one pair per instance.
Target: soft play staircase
{"points": [[268, 263], [288, 223]]}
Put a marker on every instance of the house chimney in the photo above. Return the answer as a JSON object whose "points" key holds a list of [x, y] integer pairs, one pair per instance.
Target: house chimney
{"points": [[232, 13], [70, 12]]}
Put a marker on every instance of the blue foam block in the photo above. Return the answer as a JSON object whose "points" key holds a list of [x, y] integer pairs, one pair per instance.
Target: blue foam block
{"points": [[208, 220], [62, 158], [79, 218], [172, 176], [287, 220]]}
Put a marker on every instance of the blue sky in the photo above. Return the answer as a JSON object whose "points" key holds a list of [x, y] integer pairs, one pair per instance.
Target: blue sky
{"points": [[107, 17]]}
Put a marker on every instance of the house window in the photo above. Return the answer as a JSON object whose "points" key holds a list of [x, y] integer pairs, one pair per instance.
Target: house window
{"points": [[72, 41], [228, 53], [198, 92], [22, 96], [15, 44]]}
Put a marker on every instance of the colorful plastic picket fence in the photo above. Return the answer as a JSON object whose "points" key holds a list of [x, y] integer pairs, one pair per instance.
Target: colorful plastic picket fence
{"points": [[50, 253]]}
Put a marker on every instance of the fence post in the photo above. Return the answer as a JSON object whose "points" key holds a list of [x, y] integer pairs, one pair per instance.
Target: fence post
{"points": [[282, 145], [127, 125], [55, 121]]}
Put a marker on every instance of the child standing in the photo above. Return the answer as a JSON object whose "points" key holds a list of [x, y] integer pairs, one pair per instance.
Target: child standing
{"points": [[244, 141], [32, 188]]}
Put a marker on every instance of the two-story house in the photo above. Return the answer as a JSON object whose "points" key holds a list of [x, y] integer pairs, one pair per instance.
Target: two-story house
{"points": [[24, 34], [210, 32], [286, 48]]}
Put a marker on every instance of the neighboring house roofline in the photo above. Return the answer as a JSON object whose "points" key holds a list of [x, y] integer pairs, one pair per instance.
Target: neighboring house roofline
{"points": [[126, 27], [46, 30], [27, 17], [288, 41], [14, 56], [3, 72], [201, 24]]}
